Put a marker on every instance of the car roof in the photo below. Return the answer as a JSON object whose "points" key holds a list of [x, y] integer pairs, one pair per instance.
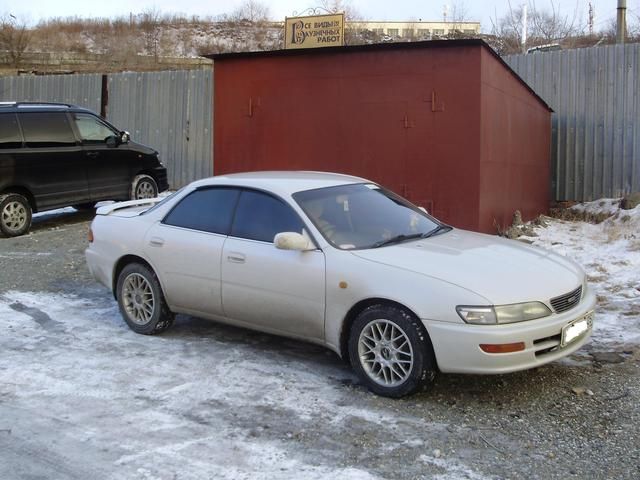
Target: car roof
{"points": [[14, 107], [284, 183]]}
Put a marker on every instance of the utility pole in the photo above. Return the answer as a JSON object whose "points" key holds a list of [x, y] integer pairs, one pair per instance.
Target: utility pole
{"points": [[621, 25], [524, 28], [591, 19], [445, 11]]}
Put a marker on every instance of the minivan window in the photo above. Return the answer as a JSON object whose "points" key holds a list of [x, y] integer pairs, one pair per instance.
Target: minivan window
{"points": [[46, 129], [208, 210], [10, 136], [91, 129], [260, 217]]}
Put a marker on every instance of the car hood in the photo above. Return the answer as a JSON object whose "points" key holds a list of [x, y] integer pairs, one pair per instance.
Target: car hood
{"points": [[502, 271]]}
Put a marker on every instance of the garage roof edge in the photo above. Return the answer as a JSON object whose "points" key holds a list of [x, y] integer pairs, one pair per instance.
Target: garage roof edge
{"points": [[380, 46]]}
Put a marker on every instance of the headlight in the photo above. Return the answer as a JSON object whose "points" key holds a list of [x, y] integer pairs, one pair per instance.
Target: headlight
{"points": [[491, 315]]}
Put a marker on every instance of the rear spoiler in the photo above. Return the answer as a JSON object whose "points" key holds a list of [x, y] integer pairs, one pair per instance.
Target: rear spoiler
{"points": [[109, 209]]}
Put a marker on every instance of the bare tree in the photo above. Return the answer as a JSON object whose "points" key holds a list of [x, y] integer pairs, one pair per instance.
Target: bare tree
{"points": [[543, 27], [551, 26], [14, 39], [251, 11], [351, 13], [459, 12], [150, 24]]}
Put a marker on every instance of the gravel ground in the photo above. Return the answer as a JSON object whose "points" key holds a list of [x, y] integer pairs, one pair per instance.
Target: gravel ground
{"points": [[82, 396]]}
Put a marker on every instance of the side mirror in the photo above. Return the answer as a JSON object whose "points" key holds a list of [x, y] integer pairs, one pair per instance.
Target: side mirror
{"points": [[112, 141], [292, 241], [125, 137]]}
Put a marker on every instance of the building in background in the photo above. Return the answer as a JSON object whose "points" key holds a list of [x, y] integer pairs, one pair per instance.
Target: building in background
{"points": [[417, 30]]}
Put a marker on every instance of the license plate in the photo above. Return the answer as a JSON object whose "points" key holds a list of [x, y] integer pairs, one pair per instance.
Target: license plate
{"points": [[576, 328]]}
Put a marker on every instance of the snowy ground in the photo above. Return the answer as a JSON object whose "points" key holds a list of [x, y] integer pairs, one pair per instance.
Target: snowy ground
{"points": [[610, 254], [81, 396]]}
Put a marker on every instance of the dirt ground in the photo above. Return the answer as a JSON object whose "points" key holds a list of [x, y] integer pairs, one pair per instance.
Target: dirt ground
{"points": [[81, 396]]}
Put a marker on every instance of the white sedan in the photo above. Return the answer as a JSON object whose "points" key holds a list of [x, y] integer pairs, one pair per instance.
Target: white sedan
{"points": [[342, 262]]}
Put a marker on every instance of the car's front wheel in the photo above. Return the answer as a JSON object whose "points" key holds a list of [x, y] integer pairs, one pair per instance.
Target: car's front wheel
{"points": [[143, 186], [391, 352], [141, 301], [15, 214]]}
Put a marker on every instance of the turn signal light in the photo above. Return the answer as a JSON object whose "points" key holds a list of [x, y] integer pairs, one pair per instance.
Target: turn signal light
{"points": [[502, 347], [90, 236]]}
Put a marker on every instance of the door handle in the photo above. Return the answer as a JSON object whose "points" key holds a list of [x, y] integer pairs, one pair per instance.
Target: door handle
{"points": [[235, 257], [156, 241], [93, 154]]}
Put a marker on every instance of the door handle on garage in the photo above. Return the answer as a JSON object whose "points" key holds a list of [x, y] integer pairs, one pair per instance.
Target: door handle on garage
{"points": [[235, 257], [156, 241]]}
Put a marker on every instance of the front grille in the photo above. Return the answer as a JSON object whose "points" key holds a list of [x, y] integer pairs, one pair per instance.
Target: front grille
{"points": [[567, 301]]}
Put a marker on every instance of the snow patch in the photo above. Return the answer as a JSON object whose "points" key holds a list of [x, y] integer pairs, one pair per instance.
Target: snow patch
{"points": [[609, 252]]}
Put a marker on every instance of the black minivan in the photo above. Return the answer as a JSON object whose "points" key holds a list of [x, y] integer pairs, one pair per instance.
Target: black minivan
{"points": [[54, 155]]}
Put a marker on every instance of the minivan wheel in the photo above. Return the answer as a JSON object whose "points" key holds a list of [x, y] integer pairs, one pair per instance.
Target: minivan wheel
{"points": [[391, 352], [15, 214], [143, 186], [141, 301]]}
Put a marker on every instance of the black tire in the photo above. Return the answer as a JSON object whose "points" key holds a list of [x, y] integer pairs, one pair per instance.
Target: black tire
{"points": [[83, 207], [396, 375], [15, 214], [141, 301], [143, 186]]}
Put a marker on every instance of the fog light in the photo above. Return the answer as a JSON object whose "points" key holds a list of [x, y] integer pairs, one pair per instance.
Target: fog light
{"points": [[502, 347]]}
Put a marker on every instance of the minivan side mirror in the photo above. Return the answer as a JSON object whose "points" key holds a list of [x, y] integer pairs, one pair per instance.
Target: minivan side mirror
{"points": [[125, 137], [112, 141], [292, 241]]}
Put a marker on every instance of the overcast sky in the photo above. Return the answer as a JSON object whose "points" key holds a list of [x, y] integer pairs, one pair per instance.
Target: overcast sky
{"points": [[476, 10]]}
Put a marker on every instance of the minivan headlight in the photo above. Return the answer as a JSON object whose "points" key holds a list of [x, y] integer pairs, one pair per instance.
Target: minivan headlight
{"points": [[491, 315]]}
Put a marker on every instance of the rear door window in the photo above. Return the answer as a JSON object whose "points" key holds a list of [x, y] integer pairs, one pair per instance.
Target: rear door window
{"points": [[208, 210], [46, 129], [260, 217], [10, 136]]}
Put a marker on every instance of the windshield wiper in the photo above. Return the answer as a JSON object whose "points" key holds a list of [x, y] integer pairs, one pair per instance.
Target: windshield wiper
{"points": [[397, 239], [439, 229]]}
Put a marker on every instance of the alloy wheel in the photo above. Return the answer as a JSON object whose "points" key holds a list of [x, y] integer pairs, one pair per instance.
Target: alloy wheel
{"points": [[138, 299], [145, 190], [14, 216], [385, 353]]}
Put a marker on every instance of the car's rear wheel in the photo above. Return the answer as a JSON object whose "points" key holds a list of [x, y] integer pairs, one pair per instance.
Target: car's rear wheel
{"points": [[391, 352], [141, 301], [15, 214], [143, 186]]}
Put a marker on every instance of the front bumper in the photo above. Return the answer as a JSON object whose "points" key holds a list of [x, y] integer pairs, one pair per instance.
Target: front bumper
{"points": [[160, 175], [457, 345]]}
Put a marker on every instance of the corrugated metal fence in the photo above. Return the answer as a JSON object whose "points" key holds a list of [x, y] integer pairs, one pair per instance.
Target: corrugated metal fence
{"points": [[170, 111], [595, 93], [82, 90]]}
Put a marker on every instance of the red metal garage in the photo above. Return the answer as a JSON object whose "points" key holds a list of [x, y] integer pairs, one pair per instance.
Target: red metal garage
{"points": [[446, 124]]}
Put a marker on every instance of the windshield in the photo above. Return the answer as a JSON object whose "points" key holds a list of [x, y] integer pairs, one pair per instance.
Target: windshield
{"points": [[364, 216]]}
